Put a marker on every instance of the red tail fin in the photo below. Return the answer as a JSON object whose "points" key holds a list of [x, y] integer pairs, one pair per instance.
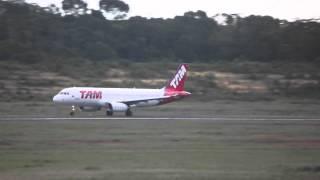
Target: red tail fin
{"points": [[177, 82]]}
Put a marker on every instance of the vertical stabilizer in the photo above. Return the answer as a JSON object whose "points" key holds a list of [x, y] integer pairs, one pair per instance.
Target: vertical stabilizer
{"points": [[177, 82]]}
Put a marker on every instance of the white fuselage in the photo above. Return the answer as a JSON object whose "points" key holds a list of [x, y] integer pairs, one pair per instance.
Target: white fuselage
{"points": [[90, 96], [123, 99]]}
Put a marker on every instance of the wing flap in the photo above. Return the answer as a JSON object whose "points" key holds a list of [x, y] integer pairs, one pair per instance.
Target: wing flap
{"points": [[146, 101]]}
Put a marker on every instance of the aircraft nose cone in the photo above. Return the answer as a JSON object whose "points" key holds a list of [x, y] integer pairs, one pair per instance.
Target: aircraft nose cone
{"points": [[55, 98]]}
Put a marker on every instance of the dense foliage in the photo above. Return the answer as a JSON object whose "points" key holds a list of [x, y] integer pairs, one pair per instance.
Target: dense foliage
{"points": [[31, 34]]}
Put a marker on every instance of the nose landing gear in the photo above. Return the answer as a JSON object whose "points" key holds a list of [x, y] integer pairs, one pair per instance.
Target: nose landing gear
{"points": [[73, 110]]}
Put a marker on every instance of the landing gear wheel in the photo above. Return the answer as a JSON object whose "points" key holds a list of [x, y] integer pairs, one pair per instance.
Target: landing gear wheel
{"points": [[109, 113], [73, 111], [128, 112]]}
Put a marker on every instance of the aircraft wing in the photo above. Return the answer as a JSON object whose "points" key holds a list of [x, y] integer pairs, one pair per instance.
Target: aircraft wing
{"points": [[148, 101]]}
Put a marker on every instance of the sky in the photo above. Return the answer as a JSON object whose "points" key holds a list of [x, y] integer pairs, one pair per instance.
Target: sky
{"points": [[283, 9]]}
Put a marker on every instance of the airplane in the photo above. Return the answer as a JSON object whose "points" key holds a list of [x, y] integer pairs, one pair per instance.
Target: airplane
{"points": [[90, 99]]}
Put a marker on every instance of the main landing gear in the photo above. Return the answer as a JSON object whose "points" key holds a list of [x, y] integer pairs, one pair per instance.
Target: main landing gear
{"points": [[109, 113], [127, 113], [73, 110]]}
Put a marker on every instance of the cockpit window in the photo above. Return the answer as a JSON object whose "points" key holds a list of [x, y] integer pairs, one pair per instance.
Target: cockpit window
{"points": [[64, 93]]}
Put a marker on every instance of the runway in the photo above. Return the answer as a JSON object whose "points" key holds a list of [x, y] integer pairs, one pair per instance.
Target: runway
{"points": [[227, 146], [266, 118]]}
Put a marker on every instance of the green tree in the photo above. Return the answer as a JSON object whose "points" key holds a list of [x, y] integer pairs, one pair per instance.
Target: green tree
{"points": [[117, 8], [258, 37], [74, 7]]}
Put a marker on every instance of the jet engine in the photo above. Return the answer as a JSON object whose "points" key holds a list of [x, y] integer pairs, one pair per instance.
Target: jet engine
{"points": [[118, 107], [90, 108]]}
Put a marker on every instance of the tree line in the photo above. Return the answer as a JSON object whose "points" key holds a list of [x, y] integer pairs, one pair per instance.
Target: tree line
{"points": [[30, 33]]}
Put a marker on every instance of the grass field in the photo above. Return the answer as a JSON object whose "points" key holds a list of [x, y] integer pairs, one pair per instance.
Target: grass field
{"points": [[163, 149], [159, 149], [210, 81]]}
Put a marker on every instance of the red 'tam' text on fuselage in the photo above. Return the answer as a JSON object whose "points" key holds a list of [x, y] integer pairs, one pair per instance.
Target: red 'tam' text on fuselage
{"points": [[91, 94]]}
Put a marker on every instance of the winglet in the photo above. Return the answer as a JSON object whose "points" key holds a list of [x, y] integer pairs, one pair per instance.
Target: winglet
{"points": [[177, 81]]}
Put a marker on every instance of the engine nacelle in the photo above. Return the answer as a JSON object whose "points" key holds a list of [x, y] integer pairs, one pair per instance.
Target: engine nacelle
{"points": [[89, 108], [118, 107]]}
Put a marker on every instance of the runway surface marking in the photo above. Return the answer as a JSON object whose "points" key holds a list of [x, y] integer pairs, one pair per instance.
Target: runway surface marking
{"points": [[160, 118]]}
